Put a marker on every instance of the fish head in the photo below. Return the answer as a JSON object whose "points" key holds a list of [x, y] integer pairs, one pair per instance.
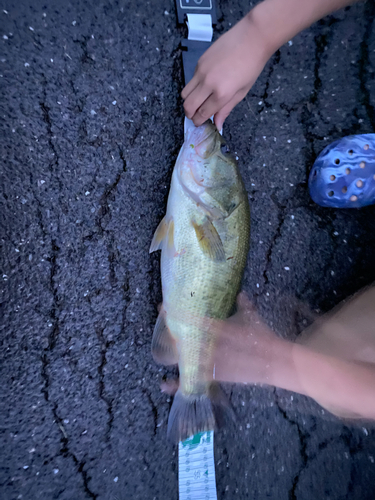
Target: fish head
{"points": [[208, 171]]}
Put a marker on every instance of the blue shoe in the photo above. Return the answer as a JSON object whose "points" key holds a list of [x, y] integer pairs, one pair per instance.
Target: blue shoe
{"points": [[343, 175]]}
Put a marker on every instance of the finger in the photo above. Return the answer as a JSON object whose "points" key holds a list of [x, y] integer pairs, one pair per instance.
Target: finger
{"points": [[196, 99], [209, 107], [223, 113], [170, 386], [243, 303], [190, 86]]}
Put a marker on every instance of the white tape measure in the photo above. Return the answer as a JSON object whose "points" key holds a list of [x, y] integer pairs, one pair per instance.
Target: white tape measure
{"points": [[196, 467], [196, 464]]}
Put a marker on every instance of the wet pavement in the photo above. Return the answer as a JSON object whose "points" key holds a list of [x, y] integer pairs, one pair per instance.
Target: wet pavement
{"points": [[91, 126]]}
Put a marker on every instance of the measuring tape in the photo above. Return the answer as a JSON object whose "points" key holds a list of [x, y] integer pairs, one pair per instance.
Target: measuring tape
{"points": [[196, 466]]}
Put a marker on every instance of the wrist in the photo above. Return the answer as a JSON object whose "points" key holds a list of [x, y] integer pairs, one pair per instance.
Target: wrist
{"points": [[280, 363], [263, 31], [277, 21]]}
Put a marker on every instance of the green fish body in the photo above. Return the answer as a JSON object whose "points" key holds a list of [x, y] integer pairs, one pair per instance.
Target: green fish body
{"points": [[204, 239]]}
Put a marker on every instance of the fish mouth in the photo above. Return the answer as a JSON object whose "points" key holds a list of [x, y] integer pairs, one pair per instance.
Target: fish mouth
{"points": [[202, 139]]}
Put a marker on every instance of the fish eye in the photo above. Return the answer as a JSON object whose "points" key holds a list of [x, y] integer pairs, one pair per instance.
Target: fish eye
{"points": [[224, 149]]}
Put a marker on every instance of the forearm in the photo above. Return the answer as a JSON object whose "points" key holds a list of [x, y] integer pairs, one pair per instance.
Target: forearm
{"points": [[348, 386], [281, 20], [335, 383]]}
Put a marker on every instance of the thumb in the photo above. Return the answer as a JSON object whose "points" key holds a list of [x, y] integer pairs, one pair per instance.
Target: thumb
{"points": [[169, 386], [243, 303]]}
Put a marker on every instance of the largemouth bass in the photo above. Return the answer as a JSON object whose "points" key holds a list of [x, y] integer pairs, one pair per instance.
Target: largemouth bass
{"points": [[204, 241]]}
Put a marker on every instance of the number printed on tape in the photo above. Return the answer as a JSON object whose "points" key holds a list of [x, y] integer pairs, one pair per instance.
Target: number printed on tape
{"points": [[197, 468]]}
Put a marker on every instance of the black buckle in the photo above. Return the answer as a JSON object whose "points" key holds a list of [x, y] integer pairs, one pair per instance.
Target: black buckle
{"points": [[195, 7]]}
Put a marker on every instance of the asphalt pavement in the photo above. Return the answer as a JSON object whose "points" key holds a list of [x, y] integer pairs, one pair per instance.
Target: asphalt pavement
{"points": [[91, 125]]}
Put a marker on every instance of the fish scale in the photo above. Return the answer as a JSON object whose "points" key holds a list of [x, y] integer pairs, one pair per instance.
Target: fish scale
{"points": [[200, 284]]}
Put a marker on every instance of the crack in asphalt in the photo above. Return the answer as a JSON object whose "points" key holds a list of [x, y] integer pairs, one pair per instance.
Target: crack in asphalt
{"points": [[154, 409], [53, 164], [311, 105], [47, 120], [52, 338], [281, 219], [123, 159], [147, 464], [347, 439], [345, 436], [54, 316], [126, 298], [264, 97], [104, 203], [306, 109], [53, 278], [104, 346], [292, 203], [64, 450], [321, 43], [85, 57], [326, 222], [52, 259], [55, 310], [54, 313], [80, 102], [364, 64], [102, 220], [303, 436]]}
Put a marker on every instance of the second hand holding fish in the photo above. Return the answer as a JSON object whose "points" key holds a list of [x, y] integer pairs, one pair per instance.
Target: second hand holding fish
{"points": [[332, 361]]}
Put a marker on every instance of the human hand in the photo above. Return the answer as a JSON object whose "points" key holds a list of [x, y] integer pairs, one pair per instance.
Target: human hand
{"points": [[244, 347], [228, 69], [226, 72]]}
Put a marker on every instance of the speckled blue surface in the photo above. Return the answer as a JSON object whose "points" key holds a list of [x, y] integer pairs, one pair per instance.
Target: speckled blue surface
{"points": [[343, 175]]}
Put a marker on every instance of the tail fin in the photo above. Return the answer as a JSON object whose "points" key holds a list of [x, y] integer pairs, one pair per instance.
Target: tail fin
{"points": [[195, 413]]}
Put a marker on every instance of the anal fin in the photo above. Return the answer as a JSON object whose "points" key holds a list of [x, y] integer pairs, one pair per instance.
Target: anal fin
{"points": [[163, 345]]}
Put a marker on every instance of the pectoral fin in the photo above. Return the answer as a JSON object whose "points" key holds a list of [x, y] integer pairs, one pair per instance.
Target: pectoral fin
{"points": [[170, 240], [160, 234], [209, 240], [163, 345]]}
